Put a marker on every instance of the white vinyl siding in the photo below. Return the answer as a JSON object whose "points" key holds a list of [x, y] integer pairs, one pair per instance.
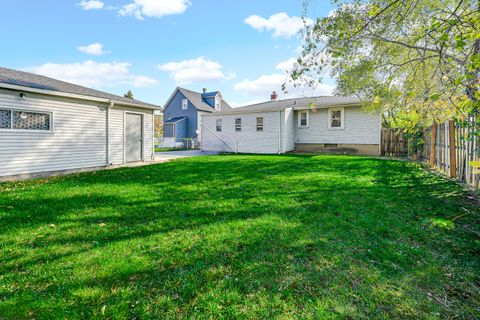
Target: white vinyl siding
{"points": [[248, 140], [79, 138], [116, 135], [359, 127]]}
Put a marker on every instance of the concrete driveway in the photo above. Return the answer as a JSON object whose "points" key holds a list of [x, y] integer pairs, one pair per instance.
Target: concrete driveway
{"points": [[171, 155]]}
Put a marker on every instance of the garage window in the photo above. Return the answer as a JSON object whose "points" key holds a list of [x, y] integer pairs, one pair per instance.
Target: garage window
{"points": [[5, 119], [259, 123], [238, 124], [25, 120], [219, 125]]}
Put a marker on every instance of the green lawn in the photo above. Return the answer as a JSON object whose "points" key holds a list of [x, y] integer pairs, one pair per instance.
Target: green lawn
{"points": [[246, 237]]}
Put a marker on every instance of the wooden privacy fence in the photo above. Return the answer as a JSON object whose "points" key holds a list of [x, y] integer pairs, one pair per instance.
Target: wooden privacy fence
{"points": [[449, 147], [394, 143]]}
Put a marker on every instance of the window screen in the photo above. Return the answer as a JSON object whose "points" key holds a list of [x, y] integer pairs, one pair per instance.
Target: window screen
{"points": [[336, 120], [31, 120], [5, 119], [259, 123], [303, 119], [238, 124]]}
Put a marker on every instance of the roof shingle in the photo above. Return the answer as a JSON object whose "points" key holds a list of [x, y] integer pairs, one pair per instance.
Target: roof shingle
{"points": [[296, 103], [30, 80]]}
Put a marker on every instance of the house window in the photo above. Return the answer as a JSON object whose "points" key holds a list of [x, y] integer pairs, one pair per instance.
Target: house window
{"points": [[25, 120], [217, 104], [219, 125], [259, 123], [336, 118], [303, 119], [184, 104], [238, 124]]}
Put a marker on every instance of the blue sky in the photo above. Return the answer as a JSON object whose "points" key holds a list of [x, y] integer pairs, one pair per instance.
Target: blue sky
{"points": [[150, 46]]}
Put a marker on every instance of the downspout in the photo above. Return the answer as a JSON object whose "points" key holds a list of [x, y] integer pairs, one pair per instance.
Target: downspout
{"points": [[110, 106], [153, 136], [279, 132]]}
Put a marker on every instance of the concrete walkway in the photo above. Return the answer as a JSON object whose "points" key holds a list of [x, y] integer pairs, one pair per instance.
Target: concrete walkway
{"points": [[171, 155]]}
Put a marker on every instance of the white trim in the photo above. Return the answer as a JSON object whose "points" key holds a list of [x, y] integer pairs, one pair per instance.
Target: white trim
{"points": [[299, 119], [74, 96], [185, 104], [342, 118]]}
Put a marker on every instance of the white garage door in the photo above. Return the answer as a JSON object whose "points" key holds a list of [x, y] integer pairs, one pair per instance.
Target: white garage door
{"points": [[134, 137]]}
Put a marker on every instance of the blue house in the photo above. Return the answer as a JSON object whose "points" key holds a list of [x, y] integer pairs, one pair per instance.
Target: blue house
{"points": [[181, 114]]}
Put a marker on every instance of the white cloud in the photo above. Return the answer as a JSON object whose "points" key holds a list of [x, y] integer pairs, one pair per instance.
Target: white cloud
{"points": [[280, 23], [263, 86], [287, 65], [154, 8], [194, 70], [93, 74], [91, 4], [95, 49]]}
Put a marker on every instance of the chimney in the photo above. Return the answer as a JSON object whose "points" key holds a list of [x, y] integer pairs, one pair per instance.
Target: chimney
{"points": [[205, 90], [274, 96]]}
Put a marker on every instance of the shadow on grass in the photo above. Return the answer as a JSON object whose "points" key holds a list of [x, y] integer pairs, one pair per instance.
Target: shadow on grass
{"points": [[239, 237]]}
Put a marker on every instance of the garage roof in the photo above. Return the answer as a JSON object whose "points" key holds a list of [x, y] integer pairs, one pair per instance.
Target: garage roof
{"points": [[35, 81], [296, 103]]}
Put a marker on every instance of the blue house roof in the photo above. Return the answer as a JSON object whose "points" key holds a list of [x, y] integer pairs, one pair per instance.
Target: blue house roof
{"points": [[173, 120], [209, 94]]}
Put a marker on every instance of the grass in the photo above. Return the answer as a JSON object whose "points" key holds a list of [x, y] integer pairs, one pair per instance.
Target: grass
{"points": [[245, 237], [157, 149]]}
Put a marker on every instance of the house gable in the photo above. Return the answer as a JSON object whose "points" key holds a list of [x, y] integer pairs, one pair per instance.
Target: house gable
{"points": [[174, 109]]}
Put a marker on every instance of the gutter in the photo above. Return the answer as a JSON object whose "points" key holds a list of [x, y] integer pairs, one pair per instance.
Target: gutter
{"points": [[74, 96], [110, 106], [293, 106]]}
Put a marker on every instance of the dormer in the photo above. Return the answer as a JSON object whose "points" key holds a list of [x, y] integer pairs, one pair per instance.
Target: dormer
{"points": [[213, 99]]}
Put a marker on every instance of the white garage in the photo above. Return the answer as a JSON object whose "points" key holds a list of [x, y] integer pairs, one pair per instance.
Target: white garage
{"points": [[48, 125]]}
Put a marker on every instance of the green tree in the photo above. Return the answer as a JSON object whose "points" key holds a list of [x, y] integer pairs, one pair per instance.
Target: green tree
{"points": [[129, 94], [399, 55]]}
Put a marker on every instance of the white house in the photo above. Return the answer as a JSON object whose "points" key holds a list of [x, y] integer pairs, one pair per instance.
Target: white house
{"points": [[48, 125], [316, 124]]}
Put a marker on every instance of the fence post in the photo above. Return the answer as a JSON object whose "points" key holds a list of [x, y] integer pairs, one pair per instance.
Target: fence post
{"points": [[453, 155], [432, 144]]}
